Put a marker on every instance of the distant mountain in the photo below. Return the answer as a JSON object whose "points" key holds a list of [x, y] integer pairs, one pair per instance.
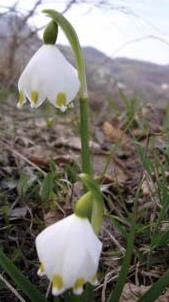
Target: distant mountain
{"points": [[105, 76]]}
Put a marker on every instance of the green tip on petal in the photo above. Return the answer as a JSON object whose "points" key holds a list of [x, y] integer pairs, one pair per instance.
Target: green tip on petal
{"points": [[41, 270], [61, 101], [34, 98], [78, 286], [94, 281], [21, 100], [57, 283]]}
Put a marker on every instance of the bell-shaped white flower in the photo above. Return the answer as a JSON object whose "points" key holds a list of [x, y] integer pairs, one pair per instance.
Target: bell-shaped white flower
{"points": [[48, 75], [69, 253]]}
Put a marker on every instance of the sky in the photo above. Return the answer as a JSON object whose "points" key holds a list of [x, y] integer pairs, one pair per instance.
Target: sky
{"points": [[136, 29]]}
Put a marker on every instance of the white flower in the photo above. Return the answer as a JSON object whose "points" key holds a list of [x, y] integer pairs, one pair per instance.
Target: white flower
{"points": [[69, 253], [50, 76]]}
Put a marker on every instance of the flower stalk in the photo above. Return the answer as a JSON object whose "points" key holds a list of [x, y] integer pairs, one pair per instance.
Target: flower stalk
{"points": [[68, 250], [84, 102]]}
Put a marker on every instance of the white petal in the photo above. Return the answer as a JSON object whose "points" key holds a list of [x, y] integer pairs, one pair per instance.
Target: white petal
{"points": [[50, 245], [82, 264], [70, 249], [75, 254], [50, 74]]}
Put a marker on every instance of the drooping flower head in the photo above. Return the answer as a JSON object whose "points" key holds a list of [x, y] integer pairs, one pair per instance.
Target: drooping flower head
{"points": [[69, 253], [48, 76]]}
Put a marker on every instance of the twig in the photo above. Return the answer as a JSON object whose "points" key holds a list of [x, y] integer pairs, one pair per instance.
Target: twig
{"points": [[11, 288], [18, 154], [115, 241]]}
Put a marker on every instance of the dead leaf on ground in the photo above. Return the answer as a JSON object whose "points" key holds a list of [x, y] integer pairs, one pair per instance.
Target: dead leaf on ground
{"points": [[132, 293], [114, 133], [18, 213], [74, 143], [52, 216]]}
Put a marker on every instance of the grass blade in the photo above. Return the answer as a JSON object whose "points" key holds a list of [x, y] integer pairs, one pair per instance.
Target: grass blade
{"points": [[156, 290], [21, 281], [116, 293], [115, 296]]}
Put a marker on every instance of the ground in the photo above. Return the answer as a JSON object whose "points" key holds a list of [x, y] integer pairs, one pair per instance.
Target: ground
{"points": [[130, 157]]}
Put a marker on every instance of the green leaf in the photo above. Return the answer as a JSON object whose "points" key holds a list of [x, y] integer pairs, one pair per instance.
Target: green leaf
{"points": [[116, 293], [52, 167], [21, 281], [120, 227], [72, 170], [88, 294], [47, 188], [115, 296], [160, 240], [166, 119], [165, 205], [156, 290], [23, 185], [144, 159]]}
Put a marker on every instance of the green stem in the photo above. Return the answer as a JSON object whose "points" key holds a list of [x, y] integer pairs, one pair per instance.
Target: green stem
{"points": [[84, 107], [84, 130]]}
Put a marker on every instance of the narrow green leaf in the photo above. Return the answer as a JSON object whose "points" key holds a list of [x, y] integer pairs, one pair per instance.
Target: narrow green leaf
{"points": [[166, 119], [23, 185], [119, 227], [144, 159], [158, 236], [160, 240], [125, 100], [116, 293], [47, 188], [21, 281], [115, 296], [56, 299], [165, 205], [52, 166], [156, 290]]}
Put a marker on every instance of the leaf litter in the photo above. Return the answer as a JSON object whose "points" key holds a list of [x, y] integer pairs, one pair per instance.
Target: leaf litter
{"points": [[121, 149]]}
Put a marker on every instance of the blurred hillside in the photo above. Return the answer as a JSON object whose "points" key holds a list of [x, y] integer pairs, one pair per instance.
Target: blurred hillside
{"points": [[105, 76]]}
